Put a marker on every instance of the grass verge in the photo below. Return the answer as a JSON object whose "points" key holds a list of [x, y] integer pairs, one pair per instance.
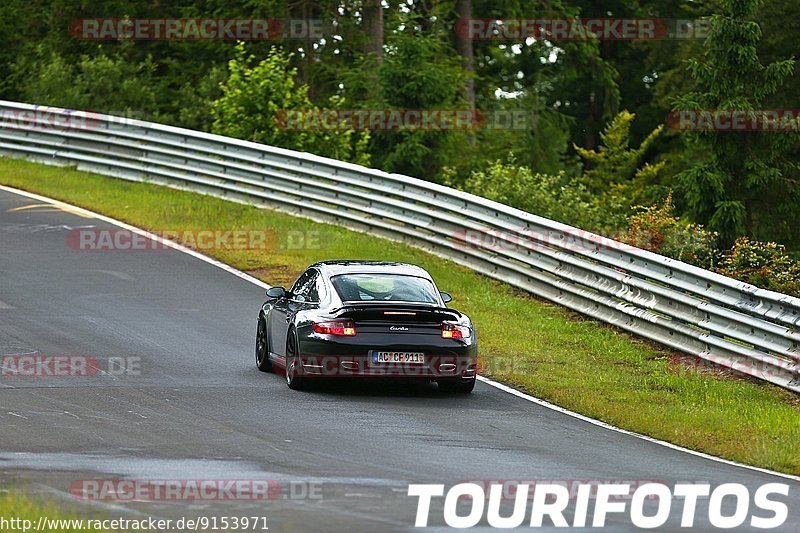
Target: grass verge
{"points": [[543, 349], [23, 514]]}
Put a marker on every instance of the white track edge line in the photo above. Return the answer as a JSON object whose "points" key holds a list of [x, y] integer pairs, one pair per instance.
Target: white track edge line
{"points": [[544, 403], [492, 383], [133, 229]]}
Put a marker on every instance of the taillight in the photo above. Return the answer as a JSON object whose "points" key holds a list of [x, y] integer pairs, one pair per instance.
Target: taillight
{"points": [[455, 331], [344, 327]]}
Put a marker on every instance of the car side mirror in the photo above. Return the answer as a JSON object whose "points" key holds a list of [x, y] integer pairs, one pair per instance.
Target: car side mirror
{"points": [[275, 293], [446, 297]]}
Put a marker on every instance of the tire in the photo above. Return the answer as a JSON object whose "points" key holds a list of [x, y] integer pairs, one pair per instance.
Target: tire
{"points": [[294, 367], [456, 386], [262, 347]]}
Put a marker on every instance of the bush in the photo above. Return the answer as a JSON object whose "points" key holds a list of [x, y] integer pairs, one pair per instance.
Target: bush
{"points": [[657, 229], [557, 197], [107, 83], [763, 264]]}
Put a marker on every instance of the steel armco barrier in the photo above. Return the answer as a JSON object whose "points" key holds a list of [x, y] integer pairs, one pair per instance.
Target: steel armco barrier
{"points": [[724, 321]]}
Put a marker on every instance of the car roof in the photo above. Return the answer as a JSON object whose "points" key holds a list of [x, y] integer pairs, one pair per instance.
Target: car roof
{"points": [[335, 268]]}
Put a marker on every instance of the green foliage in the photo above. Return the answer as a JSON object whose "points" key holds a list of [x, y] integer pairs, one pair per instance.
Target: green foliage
{"points": [[763, 264], [197, 99], [580, 81], [615, 162], [657, 229], [527, 130], [615, 173], [105, 82], [419, 71], [552, 196], [254, 97], [744, 172]]}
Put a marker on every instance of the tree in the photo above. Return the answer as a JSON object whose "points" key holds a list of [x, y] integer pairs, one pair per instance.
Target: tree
{"points": [[256, 96], [615, 162], [420, 72], [747, 175]]}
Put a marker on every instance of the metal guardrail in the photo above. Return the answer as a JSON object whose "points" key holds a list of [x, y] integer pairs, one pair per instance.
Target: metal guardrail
{"points": [[724, 321]]}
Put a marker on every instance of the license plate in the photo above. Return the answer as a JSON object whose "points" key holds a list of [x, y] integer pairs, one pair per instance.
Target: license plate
{"points": [[398, 357]]}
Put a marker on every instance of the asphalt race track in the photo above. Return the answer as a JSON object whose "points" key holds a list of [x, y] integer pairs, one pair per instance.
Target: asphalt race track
{"points": [[195, 407]]}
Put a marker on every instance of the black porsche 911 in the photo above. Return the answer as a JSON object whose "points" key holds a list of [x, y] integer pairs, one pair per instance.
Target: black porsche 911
{"points": [[366, 319]]}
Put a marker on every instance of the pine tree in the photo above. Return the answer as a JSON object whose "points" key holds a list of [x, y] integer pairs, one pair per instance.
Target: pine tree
{"points": [[746, 173]]}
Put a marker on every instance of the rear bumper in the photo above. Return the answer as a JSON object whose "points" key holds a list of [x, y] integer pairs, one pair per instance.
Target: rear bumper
{"points": [[327, 356], [362, 366], [339, 356]]}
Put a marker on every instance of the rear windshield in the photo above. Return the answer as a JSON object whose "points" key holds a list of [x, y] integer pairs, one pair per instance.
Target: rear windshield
{"points": [[384, 287]]}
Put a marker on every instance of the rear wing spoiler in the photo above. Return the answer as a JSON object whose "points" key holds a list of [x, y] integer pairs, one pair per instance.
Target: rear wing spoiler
{"points": [[399, 307]]}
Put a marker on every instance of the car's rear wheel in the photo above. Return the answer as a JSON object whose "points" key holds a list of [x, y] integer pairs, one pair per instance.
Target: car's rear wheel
{"points": [[294, 367], [457, 386], [262, 347]]}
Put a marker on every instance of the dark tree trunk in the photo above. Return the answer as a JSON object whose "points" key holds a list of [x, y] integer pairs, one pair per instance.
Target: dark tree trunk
{"points": [[593, 122], [373, 27], [305, 10], [465, 51]]}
